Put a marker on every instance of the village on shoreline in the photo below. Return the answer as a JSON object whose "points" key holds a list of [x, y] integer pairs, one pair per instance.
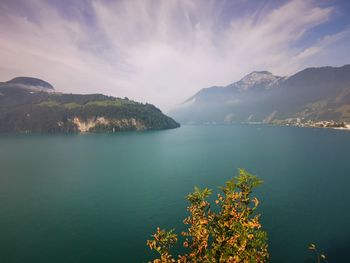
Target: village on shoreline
{"points": [[299, 122]]}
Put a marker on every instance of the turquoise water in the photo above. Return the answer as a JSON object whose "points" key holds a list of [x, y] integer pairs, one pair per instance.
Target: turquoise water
{"points": [[97, 198]]}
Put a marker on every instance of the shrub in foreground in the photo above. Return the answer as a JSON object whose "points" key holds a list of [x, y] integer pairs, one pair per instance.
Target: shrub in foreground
{"points": [[233, 234]]}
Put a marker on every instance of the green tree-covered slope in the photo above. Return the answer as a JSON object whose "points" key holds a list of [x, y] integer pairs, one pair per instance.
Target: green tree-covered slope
{"points": [[32, 109]]}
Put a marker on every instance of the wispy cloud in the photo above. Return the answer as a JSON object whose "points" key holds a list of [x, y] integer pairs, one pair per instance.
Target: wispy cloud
{"points": [[158, 51]]}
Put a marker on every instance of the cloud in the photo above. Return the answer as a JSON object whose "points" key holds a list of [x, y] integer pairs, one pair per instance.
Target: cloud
{"points": [[157, 51]]}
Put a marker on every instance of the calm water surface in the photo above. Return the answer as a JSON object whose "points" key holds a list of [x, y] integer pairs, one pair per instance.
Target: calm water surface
{"points": [[97, 198]]}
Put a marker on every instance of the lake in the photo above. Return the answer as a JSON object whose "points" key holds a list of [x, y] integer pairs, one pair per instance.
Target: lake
{"points": [[98, 197]]}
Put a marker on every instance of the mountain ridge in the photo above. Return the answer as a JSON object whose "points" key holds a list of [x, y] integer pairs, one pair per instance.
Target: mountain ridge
{"points": [[312, 94]]}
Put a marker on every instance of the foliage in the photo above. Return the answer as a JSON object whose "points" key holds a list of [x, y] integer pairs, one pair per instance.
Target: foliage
{"points": [[162, 242], [233, 234], [319, 256]]}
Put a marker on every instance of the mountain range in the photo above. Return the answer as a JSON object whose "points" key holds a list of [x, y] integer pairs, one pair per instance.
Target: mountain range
{"points": [[31, 105], [312, 94]]}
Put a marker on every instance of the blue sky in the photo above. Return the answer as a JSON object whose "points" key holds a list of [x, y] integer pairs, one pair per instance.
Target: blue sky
{"points": [[163, 51]]}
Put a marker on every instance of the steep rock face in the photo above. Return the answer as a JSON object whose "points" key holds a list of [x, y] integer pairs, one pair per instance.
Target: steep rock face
{"points": [[313, 94], [86, 125], [102, 124]]}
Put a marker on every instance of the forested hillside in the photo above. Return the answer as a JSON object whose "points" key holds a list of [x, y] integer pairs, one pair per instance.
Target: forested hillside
{"points": [[27, 108]]}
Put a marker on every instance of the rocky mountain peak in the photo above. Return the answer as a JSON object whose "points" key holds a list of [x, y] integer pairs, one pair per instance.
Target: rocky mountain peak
{"points": [[257, 78]]}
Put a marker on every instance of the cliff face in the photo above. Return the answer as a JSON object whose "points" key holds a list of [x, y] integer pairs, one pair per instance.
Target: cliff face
{"points": [[100, 124]]}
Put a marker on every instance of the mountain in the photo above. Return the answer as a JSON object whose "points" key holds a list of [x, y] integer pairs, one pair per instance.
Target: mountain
{"points": [[28, 83], [312, 94], [30, 105]]}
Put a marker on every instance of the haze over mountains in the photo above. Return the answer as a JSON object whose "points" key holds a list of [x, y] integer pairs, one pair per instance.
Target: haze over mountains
{"points": [[311, 94], [315, 94]]}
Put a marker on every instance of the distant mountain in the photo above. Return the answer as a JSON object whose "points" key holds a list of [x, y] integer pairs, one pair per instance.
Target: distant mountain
{"points": [[30, 105], [311, 94], [28, 83]]}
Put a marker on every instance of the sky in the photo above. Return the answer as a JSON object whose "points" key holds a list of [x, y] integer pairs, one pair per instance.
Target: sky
{"points": [[164, 51]]}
